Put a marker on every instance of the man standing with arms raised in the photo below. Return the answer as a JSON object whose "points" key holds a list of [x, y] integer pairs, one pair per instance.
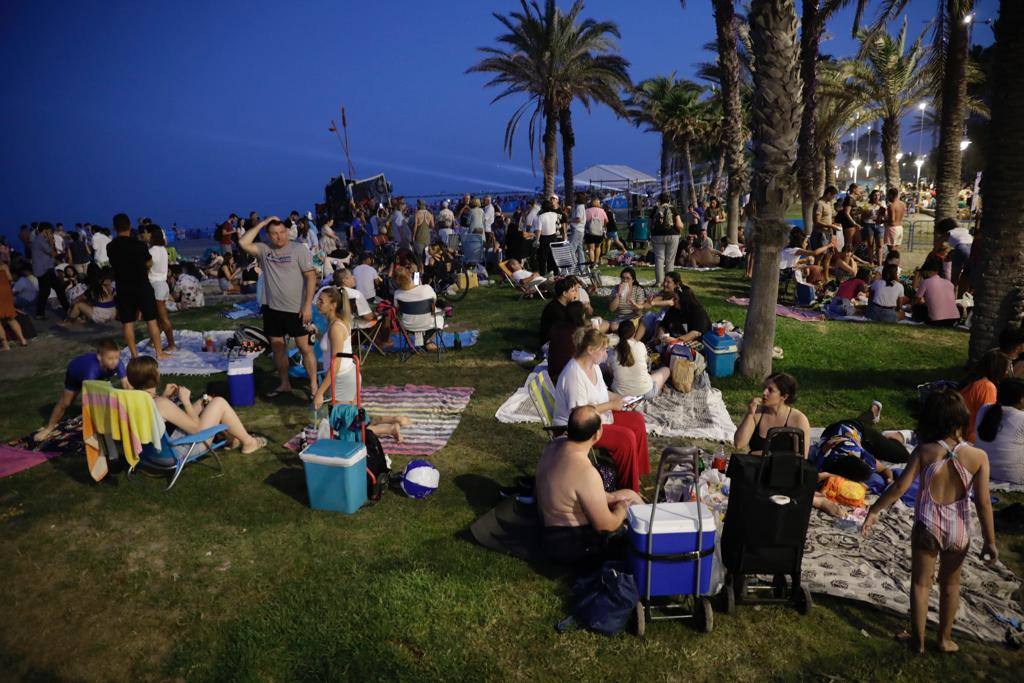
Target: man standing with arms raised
{"points": [[134, 298], [289, 285]]}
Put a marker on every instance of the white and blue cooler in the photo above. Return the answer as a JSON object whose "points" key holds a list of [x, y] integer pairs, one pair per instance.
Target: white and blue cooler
{"points": [[720, 353], [675, 532], [241, 384], [335, 475]]}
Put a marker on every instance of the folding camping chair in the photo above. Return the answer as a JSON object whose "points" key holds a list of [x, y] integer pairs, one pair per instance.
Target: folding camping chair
{"points": [[525, 291], [412, 323], [565, 264], [105, 429]]}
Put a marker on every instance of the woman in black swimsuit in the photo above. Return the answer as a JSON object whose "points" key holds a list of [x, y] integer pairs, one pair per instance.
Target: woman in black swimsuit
{"points": [[773, 408]]}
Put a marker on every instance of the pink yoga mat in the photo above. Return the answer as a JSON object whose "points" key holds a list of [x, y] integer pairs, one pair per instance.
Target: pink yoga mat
{"points": [[14, 460]]}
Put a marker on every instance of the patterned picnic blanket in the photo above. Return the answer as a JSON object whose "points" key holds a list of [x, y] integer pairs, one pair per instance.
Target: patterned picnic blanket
{"points": [[802, 314], [435, 413], [190, 358], [876, 571], [25, 452], [700, 414]]}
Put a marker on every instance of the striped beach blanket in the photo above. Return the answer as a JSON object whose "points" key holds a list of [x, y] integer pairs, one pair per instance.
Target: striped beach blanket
{"points": [[435, 413]]}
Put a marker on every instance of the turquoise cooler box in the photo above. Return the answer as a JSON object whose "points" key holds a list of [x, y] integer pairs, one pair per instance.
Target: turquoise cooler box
{"points": [[675, 532], [720, 353], [335, 475]]}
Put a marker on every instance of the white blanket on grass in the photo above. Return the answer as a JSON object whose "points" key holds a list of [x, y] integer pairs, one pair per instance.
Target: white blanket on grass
{"points": [[700, 414], [190, 358]]}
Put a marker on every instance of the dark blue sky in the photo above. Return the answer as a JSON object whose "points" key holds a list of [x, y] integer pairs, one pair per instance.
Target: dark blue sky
{"points": [[185, 111]]}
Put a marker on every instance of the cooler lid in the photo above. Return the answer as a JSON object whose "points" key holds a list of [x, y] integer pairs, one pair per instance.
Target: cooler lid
{"points": [[715, 341], [671, 518], [722, 349], [333, 452], [240, 366]]}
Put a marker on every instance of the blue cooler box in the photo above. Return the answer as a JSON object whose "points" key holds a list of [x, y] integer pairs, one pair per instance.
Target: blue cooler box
{"points": [[720, 353], [241, 384], [675, 531], [335, 475]]}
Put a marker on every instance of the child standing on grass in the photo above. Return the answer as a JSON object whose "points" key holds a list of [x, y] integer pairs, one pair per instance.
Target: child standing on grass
{"points": [[949, 469]]}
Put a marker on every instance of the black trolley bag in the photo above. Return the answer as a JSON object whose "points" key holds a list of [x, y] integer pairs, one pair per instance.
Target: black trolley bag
{"points": [[770, 502]]}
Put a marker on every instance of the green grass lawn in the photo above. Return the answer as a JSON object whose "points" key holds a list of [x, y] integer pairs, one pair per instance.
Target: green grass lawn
{"points": [[235, 578]]}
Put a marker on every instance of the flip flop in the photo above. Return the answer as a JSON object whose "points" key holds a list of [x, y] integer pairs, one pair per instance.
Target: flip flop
{"points": [[261, 440], [875, 418], [275, 393]]}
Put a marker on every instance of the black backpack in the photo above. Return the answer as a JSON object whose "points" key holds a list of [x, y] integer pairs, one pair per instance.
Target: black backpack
{"points": [[378, 470]]}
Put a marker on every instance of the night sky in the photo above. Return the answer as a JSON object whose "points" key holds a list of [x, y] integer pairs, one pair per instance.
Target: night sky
{"points": [[186, 111]]}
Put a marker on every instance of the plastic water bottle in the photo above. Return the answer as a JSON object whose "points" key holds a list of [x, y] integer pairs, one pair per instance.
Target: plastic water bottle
{"points": [[719, 461]]}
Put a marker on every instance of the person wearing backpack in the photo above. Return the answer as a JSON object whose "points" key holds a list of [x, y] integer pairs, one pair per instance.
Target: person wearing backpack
{"points": [[666, 226], [595, 226]]}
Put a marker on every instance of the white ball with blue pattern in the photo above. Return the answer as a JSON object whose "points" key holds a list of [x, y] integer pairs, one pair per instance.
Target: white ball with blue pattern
{"points": [[420, 479]]}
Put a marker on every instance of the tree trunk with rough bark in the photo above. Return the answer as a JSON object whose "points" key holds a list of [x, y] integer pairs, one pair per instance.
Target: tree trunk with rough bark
{"points": [[716, 181], [568, 142], [550, 150], [666, 162], [829, 157], [998, 297], [953, 109], [806, 158], [778, 104], [733, 134], [890, 148], [691, 186]]}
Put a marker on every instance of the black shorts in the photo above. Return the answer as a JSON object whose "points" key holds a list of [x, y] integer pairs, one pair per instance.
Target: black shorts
{"points": [[282, 324], [134, 301], [593, 239]]}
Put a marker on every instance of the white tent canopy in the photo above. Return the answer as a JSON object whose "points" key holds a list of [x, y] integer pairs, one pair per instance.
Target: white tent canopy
{"points": [[612, 177]]}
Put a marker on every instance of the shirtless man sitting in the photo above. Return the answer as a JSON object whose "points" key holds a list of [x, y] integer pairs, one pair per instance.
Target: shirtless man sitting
{"points": [[576, 511]]}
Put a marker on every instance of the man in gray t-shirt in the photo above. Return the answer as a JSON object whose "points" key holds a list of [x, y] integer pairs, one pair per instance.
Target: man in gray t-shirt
{"points": [[289, 282], [44, 255]]}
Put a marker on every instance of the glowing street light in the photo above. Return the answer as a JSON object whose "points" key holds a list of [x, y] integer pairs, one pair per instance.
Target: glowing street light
{"points": [[899, 157], [919, 162], [968, 19], [867, 171], [964, 144], [855, 164]]}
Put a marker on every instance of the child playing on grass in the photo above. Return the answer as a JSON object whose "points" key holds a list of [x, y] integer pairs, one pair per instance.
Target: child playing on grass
{"points": [[103, 364], [948, 468]]}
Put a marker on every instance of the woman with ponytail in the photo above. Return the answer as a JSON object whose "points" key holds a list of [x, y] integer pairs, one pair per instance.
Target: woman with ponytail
{"points": [[629, 366], [337, 339], [1001, 432]]}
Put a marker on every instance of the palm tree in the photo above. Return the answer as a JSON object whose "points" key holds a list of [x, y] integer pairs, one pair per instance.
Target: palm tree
{"points": [[997, 300], [553, 58], [777, 111], [674, 109], [889, 82], [734, 132], [832, 118]]}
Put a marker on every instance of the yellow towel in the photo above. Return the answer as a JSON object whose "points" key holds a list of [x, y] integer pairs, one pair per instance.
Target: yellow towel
{"points": [[126, 416]]}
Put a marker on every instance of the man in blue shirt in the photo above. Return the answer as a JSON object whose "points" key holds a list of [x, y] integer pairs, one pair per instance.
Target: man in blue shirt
{"points": [[104, 364]]}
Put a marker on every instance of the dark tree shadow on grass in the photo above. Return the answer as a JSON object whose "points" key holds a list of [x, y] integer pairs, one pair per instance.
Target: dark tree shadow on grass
{"points": [[291, 481], [481, 492]]}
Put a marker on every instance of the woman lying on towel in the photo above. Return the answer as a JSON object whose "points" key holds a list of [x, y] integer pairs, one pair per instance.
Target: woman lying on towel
{"points": [[143, 373], [624, 433]]}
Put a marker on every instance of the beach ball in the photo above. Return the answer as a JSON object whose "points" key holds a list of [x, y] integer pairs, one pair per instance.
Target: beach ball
{"points": [[420, 479]]}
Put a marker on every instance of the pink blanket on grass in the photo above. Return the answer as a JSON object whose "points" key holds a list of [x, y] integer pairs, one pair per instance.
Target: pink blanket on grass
{"points": [[801, 314], [14, 460]]}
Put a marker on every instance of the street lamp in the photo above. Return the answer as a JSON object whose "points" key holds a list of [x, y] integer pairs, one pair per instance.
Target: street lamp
{"points": [[964, 144], [920, 130], [855, 164], [919, 162], [867, 171]]}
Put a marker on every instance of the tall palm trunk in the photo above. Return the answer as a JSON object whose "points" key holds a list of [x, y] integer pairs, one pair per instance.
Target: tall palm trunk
{"points": [[687, 159], [666, 162], [568, 142], [890, 148], [550, 149], [829, 157], [777, 108], [997, 300], [806, 159], [953, 109], [716, 181], [733, 135]]}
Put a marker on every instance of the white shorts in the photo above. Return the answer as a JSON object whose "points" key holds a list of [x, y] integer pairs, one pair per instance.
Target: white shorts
{"points": [[160, 290], [894, 235], [103, 314]]}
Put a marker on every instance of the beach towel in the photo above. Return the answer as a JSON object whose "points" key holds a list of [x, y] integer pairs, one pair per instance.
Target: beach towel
{"points": [[699, 414], [876, 571], [830, 315], [14, 460], [435, 413], [65, 439], [246, 309], [802, 314], [190, 358]]}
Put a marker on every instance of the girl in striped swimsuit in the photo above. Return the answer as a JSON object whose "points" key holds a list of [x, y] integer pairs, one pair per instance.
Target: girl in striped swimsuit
{"points": [[949, 470]]}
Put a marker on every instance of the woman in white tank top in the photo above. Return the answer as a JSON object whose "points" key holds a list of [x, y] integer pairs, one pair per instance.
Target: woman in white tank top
{"points": [[337, 338]]}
